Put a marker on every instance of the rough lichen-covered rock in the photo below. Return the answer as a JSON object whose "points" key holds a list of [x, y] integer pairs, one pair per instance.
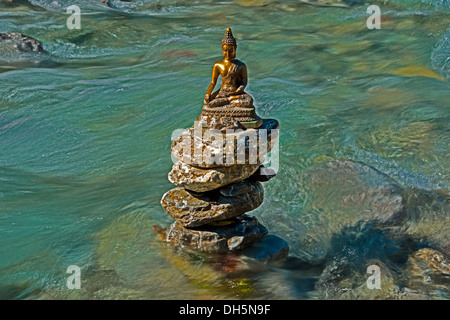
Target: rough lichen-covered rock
{"points": [[202, 180], [17, 42], [207, 148], [231, 235], [193, 210]]}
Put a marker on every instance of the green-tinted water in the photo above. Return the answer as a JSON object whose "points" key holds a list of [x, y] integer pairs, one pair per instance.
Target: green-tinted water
{"points": [[85, 132]]}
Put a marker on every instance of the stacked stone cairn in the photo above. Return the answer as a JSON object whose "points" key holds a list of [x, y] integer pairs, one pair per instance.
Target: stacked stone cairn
{"points": [[218, 173], [218, 169]]}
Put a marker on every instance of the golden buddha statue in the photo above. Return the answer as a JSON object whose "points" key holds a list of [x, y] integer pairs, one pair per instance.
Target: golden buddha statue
{"points": [[230, 103]]}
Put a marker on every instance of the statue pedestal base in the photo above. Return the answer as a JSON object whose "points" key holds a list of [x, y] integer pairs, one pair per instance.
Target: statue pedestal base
{"points": [[224, 117]]}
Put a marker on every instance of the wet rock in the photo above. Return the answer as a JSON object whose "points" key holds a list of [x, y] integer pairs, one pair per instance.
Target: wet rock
{"points": [[239, 233], [430, 260], [202, 180], [208, 148], [17, 42], [426, 276], [404, 271], [110, 3], [429, 270], [193, 210]]}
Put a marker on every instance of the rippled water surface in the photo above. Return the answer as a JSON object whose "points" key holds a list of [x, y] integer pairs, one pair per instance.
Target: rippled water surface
{"points": [[85, 136]]}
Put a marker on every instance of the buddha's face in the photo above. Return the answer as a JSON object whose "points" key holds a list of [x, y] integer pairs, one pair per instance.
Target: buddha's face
{"points": [[229, 52]]}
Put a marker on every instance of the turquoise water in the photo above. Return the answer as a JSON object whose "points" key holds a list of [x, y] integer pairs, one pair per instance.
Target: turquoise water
{"points": [[85, 130]]}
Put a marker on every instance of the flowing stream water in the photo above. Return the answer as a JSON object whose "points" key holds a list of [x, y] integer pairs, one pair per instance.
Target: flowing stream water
{"points": [[85, 134]]}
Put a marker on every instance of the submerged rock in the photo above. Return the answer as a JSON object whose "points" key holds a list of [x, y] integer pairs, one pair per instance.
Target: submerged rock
{"points": [[202, 180], [416, 71], [333, 196], [231, 235], [429, 270], [17, 42], [193, 210], [111, 4], [269, 249], [20, 51], [426, 276], [341, 280], [427, 218]]}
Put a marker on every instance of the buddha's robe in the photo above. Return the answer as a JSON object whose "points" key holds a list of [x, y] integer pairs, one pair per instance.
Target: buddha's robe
{"points": [[231, 81]]}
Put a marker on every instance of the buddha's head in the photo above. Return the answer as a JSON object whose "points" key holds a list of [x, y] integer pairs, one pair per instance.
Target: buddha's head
{"points": [[229, 46]]}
